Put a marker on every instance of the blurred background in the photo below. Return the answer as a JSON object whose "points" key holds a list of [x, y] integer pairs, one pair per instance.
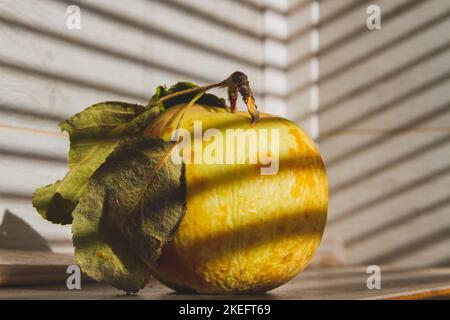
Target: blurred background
{"points": [[376, 101]]}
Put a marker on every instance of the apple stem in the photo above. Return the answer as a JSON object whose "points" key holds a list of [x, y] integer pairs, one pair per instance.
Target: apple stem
{"points": [[236, 82]]}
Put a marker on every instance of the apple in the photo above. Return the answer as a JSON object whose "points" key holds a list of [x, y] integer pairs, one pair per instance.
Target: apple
{"points": [[243, 231]]}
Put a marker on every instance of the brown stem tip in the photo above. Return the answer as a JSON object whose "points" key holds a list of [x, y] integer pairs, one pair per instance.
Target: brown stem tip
{"points": [[238, 81]]}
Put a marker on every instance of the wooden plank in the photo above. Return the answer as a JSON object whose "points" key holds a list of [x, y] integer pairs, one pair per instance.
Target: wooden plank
{"points": [[330, 283], [33, 267], [433, 293], [33, 258]]}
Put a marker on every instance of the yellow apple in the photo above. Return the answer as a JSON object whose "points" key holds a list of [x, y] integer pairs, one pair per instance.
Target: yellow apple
{"points": [[243, 231]]}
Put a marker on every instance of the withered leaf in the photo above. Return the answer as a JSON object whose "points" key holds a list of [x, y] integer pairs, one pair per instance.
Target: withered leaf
{"points": [[94, 133], [134, 204]]}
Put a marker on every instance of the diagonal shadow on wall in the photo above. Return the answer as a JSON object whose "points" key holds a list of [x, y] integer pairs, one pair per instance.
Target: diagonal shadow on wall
{"points": [[411, 247], [404, 188], [398, 222]]}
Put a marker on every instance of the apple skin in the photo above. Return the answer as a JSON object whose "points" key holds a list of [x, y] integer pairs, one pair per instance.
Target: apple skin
{"points": [[244, 232]]}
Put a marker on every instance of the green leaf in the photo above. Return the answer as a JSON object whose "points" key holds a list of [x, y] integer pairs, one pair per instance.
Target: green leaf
{"points": [[104, 256], [162, 91], [50, 204], [134, 204], [94, 133]]}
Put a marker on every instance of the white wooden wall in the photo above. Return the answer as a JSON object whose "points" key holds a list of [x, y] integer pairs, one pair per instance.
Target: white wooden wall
{"points": [[122, 52], [384, 130], [376, 101]]}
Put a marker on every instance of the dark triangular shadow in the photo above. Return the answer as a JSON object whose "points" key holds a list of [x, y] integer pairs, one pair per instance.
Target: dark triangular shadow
{"points": [[16, 234]]}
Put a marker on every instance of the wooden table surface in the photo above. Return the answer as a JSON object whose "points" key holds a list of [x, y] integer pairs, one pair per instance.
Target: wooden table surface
{"points": [[328, 283]]}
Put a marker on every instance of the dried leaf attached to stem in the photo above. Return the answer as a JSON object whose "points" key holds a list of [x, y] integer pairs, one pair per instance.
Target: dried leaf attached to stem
{"points": [[133, 206], [125, 200]]}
